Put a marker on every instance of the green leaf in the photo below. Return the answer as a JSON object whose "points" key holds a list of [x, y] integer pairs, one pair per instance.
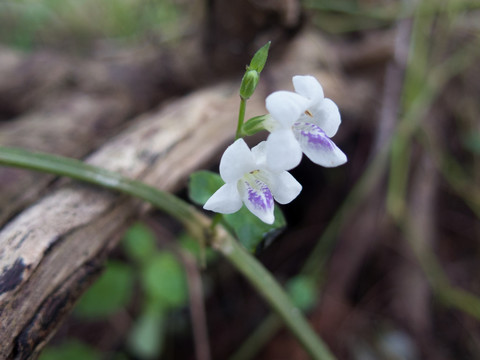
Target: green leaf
{"points": [[192, 246], [250, 230], [302, 291], [139, 242], [260, 58], [71, 350], [163, 279], [111, 292], [147, 335], [202, 185]]}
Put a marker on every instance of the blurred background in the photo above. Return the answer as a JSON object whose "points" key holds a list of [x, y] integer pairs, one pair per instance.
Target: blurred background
{"points": [[382, 253]]}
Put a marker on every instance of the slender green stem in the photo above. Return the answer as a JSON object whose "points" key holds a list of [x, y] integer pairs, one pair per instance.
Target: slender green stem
{"points": [[258, 338], [194, 221], [78, 170], [268, 287], [241, 117]]}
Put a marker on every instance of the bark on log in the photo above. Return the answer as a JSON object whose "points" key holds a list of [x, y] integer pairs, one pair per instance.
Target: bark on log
{"points": [[72, 228], [51, 251]]}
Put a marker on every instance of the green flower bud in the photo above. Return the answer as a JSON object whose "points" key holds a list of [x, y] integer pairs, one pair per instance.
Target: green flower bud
{"points": [[249, 83], [254, 125], [260, 58]]}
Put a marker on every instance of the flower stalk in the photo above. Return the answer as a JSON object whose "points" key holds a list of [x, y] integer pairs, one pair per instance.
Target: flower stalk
{"points": [[241, 117]]}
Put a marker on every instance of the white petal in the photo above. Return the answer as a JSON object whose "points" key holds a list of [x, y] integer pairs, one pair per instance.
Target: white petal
{"points": [[327, 117], [258, 198], [260, 153], [318, 146], [225, 200], [285, 187], [308, 86], [236, 161], [283, 150], [285, 106]]}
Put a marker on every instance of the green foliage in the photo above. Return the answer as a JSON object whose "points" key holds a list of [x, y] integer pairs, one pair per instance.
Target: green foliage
{"points": [[302, 291], [25, 23], [249, 229], [202, 185], [139, 242], [163, 279], [192, 246], [146, 337], [71, 350], [111, 292]]}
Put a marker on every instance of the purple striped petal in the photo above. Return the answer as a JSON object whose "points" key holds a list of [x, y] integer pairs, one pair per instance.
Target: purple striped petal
{"points": [[317, 146], [258, 198]]}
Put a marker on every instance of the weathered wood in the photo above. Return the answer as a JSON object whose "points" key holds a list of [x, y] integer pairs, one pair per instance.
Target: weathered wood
{"points": [[50, 252], [45, 246]]}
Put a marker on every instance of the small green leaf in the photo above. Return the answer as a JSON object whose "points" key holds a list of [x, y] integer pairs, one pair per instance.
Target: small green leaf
{"points": [[254, 125], [147, 335], [302, 291], [192, 246], [111, 292], [202, 185], [163, 278], [71, 350], [250, 230], [139, 242], [260, 58]]}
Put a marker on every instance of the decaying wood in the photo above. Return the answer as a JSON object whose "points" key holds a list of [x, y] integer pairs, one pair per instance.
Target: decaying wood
{"points": [[70, 228], [69, 120]]}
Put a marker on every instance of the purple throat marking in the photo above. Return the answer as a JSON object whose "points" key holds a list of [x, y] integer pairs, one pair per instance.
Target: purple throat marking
{"points": [[260, 195], [315, 136]]}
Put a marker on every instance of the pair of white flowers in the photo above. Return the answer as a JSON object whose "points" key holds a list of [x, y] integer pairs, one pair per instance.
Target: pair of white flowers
{"points": [[299, 122]]}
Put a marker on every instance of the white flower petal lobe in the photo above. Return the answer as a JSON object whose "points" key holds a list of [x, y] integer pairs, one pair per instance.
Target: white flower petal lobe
{"points": [[225, 200]]}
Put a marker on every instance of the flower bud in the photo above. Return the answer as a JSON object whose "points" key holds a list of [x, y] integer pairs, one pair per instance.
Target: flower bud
{"points": [[254, 125], [249, 83]]}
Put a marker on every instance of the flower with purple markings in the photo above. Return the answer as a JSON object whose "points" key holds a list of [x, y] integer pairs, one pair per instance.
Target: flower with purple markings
{"points": [[302, 121], [249, 180]]}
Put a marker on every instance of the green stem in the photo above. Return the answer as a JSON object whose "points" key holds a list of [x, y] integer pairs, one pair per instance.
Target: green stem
{"points": [[78, 170], [241, 117], [194, 221], [267, 286], [258, 338]]}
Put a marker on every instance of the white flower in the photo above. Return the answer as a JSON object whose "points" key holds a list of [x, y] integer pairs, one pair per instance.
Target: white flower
{"points": [[303, 121], [249, 180]]}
